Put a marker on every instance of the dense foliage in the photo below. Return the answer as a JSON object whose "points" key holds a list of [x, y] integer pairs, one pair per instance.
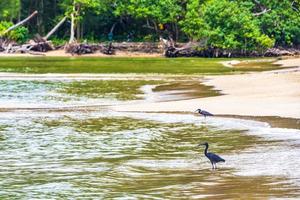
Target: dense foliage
{"points": [[19, 35], [221, 24]]}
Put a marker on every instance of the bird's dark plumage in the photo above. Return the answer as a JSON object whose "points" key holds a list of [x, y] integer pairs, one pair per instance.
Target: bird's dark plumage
{"points": [[213, 158], [204, 113]]}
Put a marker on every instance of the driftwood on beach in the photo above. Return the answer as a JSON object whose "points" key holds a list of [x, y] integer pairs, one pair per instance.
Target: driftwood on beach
{"points": [[112, 48], [80, 49], [275, 52], [37, 44], [195, 50]]}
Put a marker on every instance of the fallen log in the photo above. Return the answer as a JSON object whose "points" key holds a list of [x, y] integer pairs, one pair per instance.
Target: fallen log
{"points": [[17, 48], [26, 48], [173, 50], [55, 28], [20, 23]]}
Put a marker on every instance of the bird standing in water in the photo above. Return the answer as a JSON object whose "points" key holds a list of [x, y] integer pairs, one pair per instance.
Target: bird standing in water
{"points": [[213, 158], [204, 113]]}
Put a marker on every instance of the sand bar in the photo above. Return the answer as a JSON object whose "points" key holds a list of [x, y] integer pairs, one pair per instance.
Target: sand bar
{"points": [[253, 94]]}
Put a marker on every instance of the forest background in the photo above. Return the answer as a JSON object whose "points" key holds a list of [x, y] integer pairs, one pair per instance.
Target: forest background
{"points": [[223, 24]]}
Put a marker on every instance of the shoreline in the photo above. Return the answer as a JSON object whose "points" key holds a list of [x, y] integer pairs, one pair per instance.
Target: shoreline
{"points": [[62, 53], [252, 94], [270, 93], [120, 53]]}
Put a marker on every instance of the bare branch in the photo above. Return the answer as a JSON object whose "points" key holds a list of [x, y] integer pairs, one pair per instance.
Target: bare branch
{"points": [[55, 28], [20, 23], [262, 12]]}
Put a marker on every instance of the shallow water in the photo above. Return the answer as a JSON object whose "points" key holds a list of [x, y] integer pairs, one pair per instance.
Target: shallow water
{"points": [[88, 153]]}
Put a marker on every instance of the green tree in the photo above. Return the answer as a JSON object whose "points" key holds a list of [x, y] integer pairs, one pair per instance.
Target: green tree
{"points": [[154, 12], [9, 9], [19, 34], [282, 21], [224, 24], [76, 9], [193, 23]]}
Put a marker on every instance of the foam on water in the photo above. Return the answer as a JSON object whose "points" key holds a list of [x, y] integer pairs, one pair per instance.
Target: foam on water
{"points": [[261, 129], [280, 160]]}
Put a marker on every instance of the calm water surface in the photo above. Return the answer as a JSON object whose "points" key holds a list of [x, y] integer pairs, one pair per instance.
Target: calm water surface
{"points": [[59, 142]]}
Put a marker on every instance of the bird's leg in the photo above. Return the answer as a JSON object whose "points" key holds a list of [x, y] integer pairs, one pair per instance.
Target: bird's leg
{"points": [[216, 166]]}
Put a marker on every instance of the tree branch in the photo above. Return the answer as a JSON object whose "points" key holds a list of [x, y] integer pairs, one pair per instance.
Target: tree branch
{"points": [[262, 8], [262, 12], [20, 23], [55, 28]]}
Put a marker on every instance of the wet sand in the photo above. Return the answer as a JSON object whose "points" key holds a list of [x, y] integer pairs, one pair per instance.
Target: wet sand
{"points": [[270, 93], [275, 122], [273, 93]]}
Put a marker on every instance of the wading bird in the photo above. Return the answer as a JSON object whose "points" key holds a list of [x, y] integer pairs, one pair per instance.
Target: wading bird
{"points": [[214, 158], [204, 113]]}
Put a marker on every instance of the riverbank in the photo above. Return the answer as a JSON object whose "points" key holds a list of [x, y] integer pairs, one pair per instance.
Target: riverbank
{"points": [[263, 93], [273, 93], [146, 49], [62, 53]]}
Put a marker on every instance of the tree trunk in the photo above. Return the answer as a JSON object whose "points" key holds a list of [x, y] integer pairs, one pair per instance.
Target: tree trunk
{"points": [[78, 27], [74, 14], [72, 36], [55, 28], [20, 23], [19, 12], [41, 25], [113, 28], [176, 32], [82, 30], [55, 7], [155, 27]]}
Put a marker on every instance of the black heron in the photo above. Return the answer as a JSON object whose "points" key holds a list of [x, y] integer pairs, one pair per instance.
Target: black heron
{"points": [[204, 113], [214, 158]]}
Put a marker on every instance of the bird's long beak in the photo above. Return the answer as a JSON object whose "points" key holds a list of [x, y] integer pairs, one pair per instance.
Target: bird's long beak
{"points": [[201, 144]]}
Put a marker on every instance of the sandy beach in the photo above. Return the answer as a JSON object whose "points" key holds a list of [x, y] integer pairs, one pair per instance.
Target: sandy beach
{"points": [[269, 93], [62, 53], [272, 93]]}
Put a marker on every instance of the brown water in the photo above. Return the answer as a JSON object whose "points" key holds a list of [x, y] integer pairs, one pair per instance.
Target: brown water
{"points": [[64, 145]]}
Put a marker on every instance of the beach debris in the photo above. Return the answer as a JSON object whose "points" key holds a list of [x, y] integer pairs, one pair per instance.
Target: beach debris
{"points": [[80, 49], [37, 44], [108, 49], [274, 52]]}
